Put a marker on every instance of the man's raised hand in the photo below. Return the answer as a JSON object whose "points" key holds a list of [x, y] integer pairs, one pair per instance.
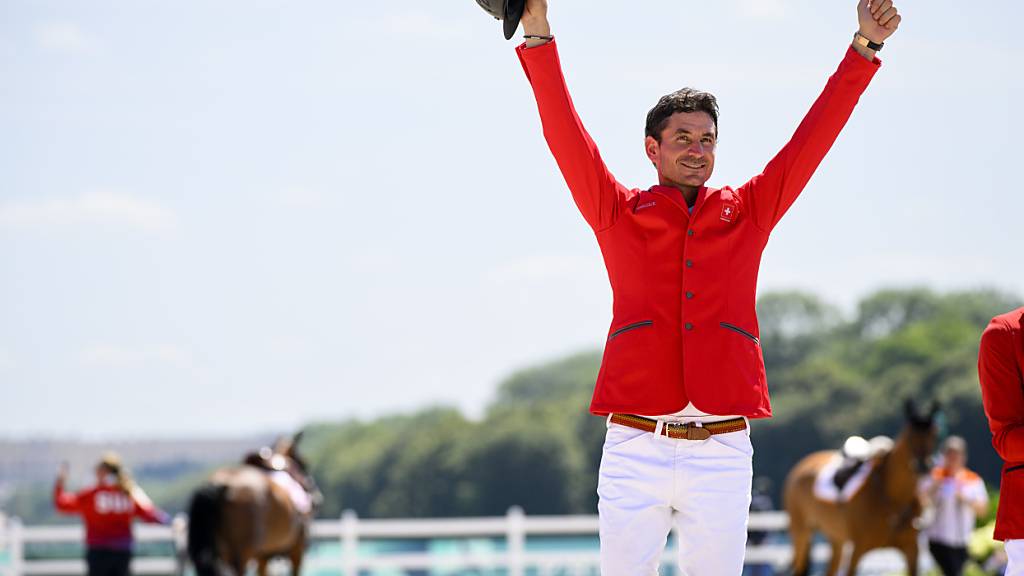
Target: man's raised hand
{"points": [[535, 21], [878, 19]]}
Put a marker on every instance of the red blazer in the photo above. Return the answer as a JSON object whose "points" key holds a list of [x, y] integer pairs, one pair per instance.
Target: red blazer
{"points": [[107, 512], [1001, 373], [684, 327]]}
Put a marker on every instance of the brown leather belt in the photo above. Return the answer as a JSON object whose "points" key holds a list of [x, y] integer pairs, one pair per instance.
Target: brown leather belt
{"points": [[680, 431]]}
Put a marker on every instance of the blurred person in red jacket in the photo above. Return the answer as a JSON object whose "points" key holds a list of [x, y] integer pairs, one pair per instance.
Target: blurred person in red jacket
{"points": [[107, 509], [1001, 373]]}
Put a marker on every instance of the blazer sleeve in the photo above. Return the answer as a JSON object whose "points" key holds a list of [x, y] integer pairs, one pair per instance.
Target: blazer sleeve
{"points": [[596, 192], [771, 193], [1002, 390]]}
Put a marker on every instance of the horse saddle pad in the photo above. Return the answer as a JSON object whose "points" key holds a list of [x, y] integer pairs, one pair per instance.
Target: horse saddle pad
{"points": [[841, 478]]}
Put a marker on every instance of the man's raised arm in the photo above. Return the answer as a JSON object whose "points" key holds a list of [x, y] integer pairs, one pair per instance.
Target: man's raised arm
{"points": [[595, 190], [771, 193]]}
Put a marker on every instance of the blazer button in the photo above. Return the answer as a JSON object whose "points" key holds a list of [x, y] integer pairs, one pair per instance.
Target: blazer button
{"points": [[689, 295], [689, 263], [690, 232], [689, 326]]}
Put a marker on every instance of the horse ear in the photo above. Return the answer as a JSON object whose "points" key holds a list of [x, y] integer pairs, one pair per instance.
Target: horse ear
{"points": [[910, 409], [293, 447], [282, 445]]}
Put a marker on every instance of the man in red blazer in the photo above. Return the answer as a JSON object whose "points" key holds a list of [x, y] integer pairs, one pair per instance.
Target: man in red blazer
{"points": [[1001, 373], [682, 369]]}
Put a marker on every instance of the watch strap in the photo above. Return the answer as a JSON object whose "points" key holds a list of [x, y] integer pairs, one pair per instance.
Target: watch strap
{"points": [[863, 41]]}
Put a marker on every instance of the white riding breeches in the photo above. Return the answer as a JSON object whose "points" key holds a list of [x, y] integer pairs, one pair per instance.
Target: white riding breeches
{"points": [[647, 482], [1015, 555]]}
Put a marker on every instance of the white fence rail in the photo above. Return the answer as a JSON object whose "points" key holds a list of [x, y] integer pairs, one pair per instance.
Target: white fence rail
{"points": [[514, 529]]}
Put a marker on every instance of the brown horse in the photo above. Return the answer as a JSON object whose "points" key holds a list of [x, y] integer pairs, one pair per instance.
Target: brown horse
{"points": [[881, 514], [249, 512]]}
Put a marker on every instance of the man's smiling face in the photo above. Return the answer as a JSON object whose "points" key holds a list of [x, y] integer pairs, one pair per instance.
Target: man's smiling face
{"points": [[685, 154]]}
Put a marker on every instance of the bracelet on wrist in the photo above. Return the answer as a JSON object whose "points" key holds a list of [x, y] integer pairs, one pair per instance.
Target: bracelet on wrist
{"points": [[547, 37], [865, 42]]}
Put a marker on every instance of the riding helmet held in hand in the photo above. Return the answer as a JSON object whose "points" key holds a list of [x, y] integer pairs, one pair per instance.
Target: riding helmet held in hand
{"points": [[508, 11]]}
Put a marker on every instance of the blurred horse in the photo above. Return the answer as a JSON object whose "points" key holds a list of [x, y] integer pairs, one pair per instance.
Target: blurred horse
{"points": [[255, 511], [881, 514]]}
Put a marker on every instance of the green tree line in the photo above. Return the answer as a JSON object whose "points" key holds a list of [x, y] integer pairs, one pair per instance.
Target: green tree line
{"points": [[830, 377]]}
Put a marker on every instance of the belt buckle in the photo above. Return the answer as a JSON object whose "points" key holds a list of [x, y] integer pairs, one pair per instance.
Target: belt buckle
{"points": [[670, 427]]}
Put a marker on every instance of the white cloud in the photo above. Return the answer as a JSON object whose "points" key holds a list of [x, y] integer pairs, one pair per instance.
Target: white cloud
{"points": [[762, 9], [119, 357], [107, 356], [103, 208], [63, 37], [298, 197], [171, 356]]}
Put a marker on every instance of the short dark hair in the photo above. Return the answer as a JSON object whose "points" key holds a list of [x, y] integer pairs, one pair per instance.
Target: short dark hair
{"points": [[685, 100]]}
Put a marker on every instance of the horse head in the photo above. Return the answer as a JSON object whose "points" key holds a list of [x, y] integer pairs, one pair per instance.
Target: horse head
{"points": [[287, 450], [921, 433]]}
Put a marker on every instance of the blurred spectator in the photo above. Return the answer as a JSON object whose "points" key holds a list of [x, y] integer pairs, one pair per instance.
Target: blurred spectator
{"points": [[107, 509], [958, 497]]}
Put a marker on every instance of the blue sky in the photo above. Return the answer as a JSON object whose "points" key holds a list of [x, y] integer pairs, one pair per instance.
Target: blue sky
{"points": [[226, 217]]}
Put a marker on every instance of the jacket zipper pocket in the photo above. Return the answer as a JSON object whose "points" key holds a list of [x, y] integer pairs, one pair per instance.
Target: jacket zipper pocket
{"points": [[632, 326], [739, 330], [1015, 468]]}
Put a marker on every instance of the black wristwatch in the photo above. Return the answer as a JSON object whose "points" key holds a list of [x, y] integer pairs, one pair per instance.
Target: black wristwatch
{"points": [[863, 41]]}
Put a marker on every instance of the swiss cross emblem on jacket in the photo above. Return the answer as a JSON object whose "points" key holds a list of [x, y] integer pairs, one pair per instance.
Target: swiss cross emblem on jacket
{"points": [[728, 212]]}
